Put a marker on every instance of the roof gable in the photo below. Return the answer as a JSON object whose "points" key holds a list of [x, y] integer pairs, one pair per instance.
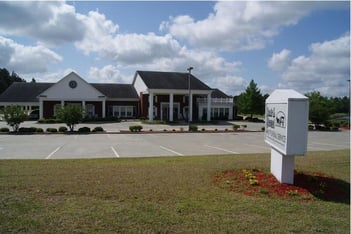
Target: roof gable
{"points": [[72, 87], [171, 80]]}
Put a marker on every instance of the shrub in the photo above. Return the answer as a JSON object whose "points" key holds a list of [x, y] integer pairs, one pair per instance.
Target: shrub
{"points": [[193, 128], [4, 129], [98, 129], [263, 128], [135, 128], [62, 129], [310, 127], [39, 130], [244, 126], [84, 129], [51, 130], [236, 127], [29, 130]]}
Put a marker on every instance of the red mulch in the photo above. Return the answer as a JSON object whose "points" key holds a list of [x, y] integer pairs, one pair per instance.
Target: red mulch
{"points": [[306, 187]]}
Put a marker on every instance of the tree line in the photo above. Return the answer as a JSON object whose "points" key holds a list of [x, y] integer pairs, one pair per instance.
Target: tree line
{"points": [[321, 108], [7, 78]]}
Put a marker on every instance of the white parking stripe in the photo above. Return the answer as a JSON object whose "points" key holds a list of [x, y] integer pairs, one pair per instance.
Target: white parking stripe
{"points": [[172, 151], [115, 152], [53, 152], [221, 149]]}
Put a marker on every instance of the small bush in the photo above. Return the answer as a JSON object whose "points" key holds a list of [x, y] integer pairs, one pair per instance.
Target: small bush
{"points": [[135, 128], [29, 130], [84, 129], [310, 127], [62, 129], [244, 126], [263, 128], [39, 130], [193, 128], [236, 127], [51, 130], [4, 129], [98, 129]]}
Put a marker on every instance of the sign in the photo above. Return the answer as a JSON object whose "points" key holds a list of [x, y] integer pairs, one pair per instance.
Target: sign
{"points": [[286, 130], [286, 121], [276, 129]]}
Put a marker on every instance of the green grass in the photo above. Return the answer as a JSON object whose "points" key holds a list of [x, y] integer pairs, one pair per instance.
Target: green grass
{"points": [[159, 195]]}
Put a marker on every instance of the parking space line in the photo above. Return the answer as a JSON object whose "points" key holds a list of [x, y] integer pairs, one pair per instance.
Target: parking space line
{"points": [[115, 152], [221, 149], [172, 151], [319, 143], [53, 152]]}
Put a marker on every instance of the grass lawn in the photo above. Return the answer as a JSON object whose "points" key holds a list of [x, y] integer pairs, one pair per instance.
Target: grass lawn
{"points": [[161, 195]]}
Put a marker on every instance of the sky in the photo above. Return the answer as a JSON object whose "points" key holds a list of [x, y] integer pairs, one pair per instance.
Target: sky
{"points": [[280, 45]]}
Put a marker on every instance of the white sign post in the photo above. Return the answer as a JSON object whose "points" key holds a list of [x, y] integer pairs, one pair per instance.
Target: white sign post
{"points": [[286, 131]]}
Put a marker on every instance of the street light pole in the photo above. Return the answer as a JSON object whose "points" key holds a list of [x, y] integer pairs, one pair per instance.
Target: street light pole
{"points": [[189, 92]]}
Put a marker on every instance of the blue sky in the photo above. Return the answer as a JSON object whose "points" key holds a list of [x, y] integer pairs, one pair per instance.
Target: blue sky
{"points": [[300, 45]]}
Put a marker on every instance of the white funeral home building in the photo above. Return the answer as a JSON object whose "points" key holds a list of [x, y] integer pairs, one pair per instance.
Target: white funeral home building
{"points": [[152, 95]]}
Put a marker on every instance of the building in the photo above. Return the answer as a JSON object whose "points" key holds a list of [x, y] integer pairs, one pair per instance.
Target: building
{"points": [[168, 93]]}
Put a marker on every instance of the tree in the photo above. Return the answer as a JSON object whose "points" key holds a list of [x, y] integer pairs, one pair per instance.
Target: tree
{"points": [[320, 108], [251, 101], [6, 79], [70, 115], [14, 116]]}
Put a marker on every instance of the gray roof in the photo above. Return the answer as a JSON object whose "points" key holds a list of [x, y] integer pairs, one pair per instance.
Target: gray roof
{"points": [[23, 92], [28, 92], [171, 80], [117, 90], [219, 94]]}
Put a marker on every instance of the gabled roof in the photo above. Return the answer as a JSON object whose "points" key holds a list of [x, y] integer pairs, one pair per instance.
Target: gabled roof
{"points": [[219, 94], [29, 92], [23, 92], [117, 90], [171, 80]]}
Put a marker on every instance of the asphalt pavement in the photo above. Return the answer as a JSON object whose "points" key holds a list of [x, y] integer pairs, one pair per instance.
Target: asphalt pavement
{"points": [[110, 145]]}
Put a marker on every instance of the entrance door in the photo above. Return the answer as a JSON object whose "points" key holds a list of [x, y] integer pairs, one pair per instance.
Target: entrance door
{"points": [[165, 111]]}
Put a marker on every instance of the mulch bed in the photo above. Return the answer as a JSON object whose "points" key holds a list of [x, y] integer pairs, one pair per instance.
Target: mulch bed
{"points": [[306, 187]]}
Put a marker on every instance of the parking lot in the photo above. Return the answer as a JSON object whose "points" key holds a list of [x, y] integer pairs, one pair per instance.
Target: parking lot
{"points": [[61, 146]]}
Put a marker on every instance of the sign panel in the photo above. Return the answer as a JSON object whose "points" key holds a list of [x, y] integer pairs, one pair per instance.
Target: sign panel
{"points": [[276, 125]]}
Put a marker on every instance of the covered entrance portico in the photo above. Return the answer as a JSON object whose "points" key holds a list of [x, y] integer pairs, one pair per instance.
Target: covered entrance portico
{"points": [[172, 110]]}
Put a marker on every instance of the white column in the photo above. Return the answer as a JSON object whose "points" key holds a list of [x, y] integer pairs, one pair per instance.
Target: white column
{"points": [[209, 107], [83, 105], [190, 107], [41, 108], [151, 107], [62, 103], [230, 117], [171, 107], [104, 108]]}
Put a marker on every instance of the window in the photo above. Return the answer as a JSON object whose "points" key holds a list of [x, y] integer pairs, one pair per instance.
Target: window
{"points": [[123, 111]]}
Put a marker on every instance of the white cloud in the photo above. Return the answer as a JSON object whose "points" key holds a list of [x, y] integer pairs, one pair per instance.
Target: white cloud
{"points": [[51, 23], [279, 61], [107, 74], [240, 25], [102, 38], [231, 85], [26, 59], [326, 69]]}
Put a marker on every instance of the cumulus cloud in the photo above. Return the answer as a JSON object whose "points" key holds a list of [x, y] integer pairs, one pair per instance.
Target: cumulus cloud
{"points": [[326, 69], [239, 25], [50, 23], [231, 85], [107, 74], [26, 59], [279, 61]]}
